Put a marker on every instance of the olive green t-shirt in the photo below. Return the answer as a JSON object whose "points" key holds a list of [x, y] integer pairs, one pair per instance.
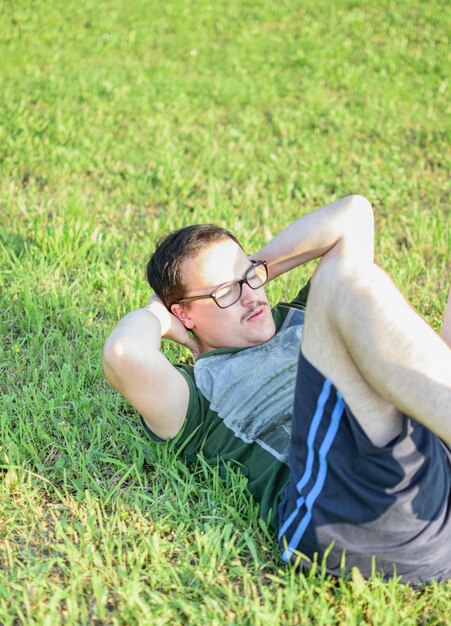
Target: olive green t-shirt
{"points": [[241, 406]]}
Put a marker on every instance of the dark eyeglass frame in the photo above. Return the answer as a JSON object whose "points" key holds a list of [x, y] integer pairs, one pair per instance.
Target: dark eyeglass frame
{"points": [[231, 282]]}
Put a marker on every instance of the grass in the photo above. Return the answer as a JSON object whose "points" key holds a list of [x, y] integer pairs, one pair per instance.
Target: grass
{"points": [[118, 122]]}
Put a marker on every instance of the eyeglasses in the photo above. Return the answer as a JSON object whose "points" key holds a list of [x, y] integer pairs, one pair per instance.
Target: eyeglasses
{"points": [[229, 293]]}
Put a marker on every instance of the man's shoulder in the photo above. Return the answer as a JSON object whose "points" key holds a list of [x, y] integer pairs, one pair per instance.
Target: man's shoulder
{"points": [[300, 300], [221, 371], [291, 313]]}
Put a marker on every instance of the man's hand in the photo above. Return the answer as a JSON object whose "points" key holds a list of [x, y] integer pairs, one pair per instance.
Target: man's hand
{"points": [[171, 327]]}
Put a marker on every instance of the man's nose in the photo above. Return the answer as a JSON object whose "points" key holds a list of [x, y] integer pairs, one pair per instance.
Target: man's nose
{"points": [[248, 295]]}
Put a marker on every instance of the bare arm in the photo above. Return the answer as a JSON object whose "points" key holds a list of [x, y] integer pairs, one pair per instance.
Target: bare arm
{"points": [[134, 366], [344, 227]]}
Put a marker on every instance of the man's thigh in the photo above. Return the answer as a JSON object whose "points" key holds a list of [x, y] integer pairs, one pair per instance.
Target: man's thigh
{"points": [[324, 348]]}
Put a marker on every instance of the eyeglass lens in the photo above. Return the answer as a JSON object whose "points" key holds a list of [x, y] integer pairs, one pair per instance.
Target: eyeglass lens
{"points": [[229, 294]]}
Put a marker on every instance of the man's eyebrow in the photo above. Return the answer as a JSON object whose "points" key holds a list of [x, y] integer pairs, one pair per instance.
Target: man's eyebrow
{"points": [[227, 282], [234, 280]]}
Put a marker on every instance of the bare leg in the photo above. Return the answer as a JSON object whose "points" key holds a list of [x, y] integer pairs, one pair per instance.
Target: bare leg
{"points": [[362, 334], [446, 330]]}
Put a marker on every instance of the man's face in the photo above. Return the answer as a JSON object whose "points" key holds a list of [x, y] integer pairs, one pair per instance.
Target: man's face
{"points": [[246, 323]]}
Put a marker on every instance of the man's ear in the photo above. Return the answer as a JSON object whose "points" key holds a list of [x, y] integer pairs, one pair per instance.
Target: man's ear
{"points": [[182, 314]]}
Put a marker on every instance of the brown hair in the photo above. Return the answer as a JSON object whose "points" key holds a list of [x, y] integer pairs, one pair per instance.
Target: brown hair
{"points": [[164, 268]]}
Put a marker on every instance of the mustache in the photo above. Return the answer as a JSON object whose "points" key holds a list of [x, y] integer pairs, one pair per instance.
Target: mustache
{"points": [[250, 311]]}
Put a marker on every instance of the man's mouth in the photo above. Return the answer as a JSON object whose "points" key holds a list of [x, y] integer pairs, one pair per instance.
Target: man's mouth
{"points": [[256, 314]]}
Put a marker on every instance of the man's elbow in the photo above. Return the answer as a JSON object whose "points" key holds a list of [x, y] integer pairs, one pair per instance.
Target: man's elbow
{"points": [[357, 243], [361, 205], [360, 217], [114, 359]]}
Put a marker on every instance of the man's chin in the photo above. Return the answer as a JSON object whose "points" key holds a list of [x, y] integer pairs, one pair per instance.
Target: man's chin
{"points": [[259, 336], [264, 336]]}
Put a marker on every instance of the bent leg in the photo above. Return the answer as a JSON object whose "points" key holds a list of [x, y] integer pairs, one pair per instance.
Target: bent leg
{"points": [[362, 335], [446, 329]]}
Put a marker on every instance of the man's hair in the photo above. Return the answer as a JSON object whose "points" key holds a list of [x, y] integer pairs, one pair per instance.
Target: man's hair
{"points": [[164, 268]]}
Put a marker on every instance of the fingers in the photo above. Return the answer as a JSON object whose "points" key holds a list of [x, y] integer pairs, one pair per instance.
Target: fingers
{"points": [[192, 345], [171, 327]]}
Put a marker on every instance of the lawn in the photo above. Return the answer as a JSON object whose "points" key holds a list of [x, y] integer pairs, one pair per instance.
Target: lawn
{"points": [[118, 122]]}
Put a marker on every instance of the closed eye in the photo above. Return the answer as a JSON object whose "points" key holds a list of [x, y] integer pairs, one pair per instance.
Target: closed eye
{"points": [[225, 290]]}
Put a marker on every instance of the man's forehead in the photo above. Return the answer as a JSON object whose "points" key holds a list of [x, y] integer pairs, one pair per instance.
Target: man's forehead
{"points": [[215, 264]]}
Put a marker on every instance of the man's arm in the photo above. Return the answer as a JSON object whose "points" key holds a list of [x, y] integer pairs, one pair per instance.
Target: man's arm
{"points": [[344, 227], [135, 367]]}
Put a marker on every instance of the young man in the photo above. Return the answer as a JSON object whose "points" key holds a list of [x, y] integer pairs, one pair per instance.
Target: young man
{"points": [[360, 466]]}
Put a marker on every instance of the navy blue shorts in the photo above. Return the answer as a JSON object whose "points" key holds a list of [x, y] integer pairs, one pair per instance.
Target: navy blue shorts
{"points": [[350, 503]]}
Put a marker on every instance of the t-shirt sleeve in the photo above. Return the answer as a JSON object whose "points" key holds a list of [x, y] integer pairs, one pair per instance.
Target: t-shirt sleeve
{"points": [[281, 310], [301, 298], [190, 436]]}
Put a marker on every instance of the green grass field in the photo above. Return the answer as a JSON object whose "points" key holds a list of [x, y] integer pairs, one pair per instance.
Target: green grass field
{"points": [[118, 122]]}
